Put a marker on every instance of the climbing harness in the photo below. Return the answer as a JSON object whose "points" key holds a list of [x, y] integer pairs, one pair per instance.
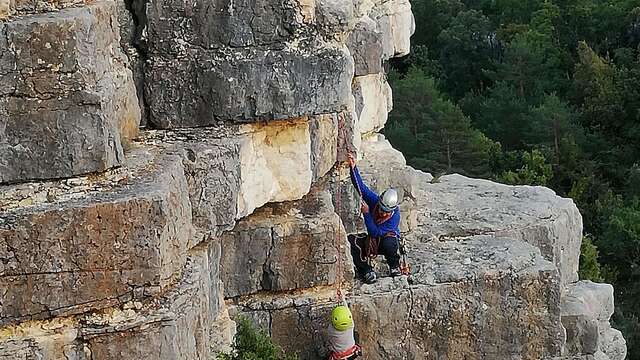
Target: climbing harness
{"points": [[351, 353]]}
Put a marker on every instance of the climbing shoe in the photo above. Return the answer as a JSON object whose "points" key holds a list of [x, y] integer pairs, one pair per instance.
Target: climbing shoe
{"points": [[395, 272], [370, 277]]}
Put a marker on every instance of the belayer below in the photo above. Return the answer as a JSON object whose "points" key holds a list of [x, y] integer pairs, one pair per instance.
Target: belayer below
{"points": [[341, 335], [382, 220]]}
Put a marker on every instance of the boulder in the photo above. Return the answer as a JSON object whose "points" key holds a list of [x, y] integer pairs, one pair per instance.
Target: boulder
{"points": [[67, 100]]}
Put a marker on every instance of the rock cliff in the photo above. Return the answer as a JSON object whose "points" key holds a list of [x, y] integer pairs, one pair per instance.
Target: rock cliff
{"points": [[166, 165]]}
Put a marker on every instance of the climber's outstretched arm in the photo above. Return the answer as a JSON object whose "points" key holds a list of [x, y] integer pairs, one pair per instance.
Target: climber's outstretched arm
{"points": [[370, 197]]}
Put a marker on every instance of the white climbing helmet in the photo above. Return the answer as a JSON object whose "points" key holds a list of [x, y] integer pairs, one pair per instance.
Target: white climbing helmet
{"points": [[389, 200]]}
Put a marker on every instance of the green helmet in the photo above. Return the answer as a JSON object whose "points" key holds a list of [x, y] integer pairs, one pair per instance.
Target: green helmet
{"points": [[341, 318]]}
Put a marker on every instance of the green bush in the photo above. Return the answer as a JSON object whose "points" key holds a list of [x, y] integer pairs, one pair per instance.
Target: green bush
{"points": [[589, 266], [534, 171], [251, 343]]}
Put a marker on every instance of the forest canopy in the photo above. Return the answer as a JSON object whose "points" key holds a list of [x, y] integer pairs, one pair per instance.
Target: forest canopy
{"points": [[539, 93]]}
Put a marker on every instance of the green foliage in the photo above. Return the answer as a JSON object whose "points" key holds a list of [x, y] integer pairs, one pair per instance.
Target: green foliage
{"points": [[253, 344], [552, 124], [627, 321], [501, 114], [432, 132], [589, 266], [535, 92], [534, 171], [465, 48], [622, 245]]}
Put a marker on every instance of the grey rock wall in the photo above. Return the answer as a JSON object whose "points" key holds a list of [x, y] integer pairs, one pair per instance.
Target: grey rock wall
{"points": [[81, 244], [70, 107]]}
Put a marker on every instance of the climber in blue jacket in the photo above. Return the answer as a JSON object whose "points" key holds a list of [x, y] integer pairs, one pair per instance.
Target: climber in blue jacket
{"points": [[382, 220]]}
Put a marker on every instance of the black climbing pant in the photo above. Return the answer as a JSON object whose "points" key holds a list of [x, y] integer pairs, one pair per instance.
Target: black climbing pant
{"points": [[388, 246]]}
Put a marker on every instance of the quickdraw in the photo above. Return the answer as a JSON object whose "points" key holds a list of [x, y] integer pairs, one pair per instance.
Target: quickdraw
{"points": [[405, 268]]}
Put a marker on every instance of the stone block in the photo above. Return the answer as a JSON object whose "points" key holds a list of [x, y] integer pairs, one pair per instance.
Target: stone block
{"points": [[132, 46], [373, 102], [586, 310], [613, 344], [365, 45], [174, 25], [177, 328], [517, 212], [87, 243], [67, 99], [176, 325], [55, 339], [589, 299], [284, 247], [324, 141], [582, 334], [246, 85], [232, 170], [334, 17], [396, 23]]}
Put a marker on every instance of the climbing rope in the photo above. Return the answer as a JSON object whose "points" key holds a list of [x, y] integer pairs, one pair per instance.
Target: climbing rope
{"points": [[338, 193]]}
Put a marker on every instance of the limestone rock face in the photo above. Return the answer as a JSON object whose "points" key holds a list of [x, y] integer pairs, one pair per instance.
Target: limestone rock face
{"points": [[456, 206], [69, 107], [177, 329], [373, 102], [239, 201], [70, 246], [285, 247], [291, 85], [180, 324], [470, 270], [207, 61], [586, 311], [231, 170], [452, 309], [365, 44], [397, 24]]}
